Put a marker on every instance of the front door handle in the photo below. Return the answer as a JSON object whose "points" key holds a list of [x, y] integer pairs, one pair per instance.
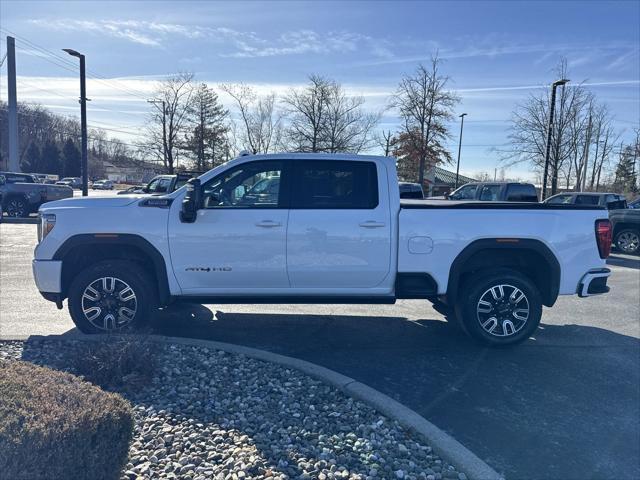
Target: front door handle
{"points": [[268, 224], [372, 224]]}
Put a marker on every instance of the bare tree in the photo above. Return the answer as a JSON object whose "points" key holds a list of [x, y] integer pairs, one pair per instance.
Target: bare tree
{"points": [[425, 106], [348, 127], [386, 141], [307, 112], [580, 124], [323, 118], [260, 128], [166, 128]]}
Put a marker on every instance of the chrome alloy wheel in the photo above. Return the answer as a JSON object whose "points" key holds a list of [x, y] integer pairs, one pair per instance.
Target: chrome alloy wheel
{"points": [[503, 310], [109, 303], [628, 242]]}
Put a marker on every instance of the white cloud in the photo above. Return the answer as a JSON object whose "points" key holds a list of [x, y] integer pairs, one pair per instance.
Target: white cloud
{"points": [[242, 44]]}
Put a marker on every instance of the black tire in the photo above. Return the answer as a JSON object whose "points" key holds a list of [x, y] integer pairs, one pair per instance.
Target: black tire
{"points": [[496, 324], [129, 278], [16, 207], [628, 241]]}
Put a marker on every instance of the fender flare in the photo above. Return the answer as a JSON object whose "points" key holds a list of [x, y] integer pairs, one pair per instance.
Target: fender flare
{"points": [[123, 239], [457, 267]]}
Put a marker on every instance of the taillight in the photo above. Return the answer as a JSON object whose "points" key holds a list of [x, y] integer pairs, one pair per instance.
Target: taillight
{"points": [[603, 237]]}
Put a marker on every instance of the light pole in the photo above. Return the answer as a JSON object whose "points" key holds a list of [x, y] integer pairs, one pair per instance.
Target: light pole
{"points": [[552, 107], [83, 120], [462, 115]]}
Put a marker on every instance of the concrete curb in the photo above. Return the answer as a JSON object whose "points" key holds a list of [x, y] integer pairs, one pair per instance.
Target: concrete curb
{"points": [[442, 443]]}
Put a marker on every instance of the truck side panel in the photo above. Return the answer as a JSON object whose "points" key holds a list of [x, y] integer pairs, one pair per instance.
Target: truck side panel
{"points": [[431, 239]]}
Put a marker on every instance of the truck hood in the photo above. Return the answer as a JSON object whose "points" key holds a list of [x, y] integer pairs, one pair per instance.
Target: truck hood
{"points": [[92, 202]]}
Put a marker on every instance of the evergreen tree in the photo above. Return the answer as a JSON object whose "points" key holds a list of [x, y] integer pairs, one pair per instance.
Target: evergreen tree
{"points": [[205, 139], [51, 159], [626, 177], [33, 160], [72, 159]]}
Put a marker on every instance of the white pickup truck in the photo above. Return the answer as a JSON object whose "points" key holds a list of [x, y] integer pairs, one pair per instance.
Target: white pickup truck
{"points": [[317, 228]]}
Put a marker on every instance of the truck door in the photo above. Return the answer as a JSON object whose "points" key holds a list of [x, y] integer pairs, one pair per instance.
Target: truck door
{"points": [[339, 233], [238, 241]]}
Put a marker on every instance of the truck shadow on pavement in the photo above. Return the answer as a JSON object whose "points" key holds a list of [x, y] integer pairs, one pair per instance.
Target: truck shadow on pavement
{"points": [[20, 220], [562, 405]]}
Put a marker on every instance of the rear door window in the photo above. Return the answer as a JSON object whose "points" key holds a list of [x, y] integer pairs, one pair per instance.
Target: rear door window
{"points": [[560, 199], [587, 200], [13, 178], [490, 193], [333, 184], [521, 193]]}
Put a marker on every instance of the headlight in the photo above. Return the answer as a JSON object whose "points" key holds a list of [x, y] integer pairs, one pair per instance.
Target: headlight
{"points": [[46, 223]]}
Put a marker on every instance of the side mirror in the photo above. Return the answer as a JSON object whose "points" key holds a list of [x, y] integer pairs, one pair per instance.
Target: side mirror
{"points": [[192, 201], [2, 180]]}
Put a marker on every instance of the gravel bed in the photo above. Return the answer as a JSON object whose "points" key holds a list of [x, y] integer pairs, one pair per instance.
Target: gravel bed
{"points": [[208, 414]]}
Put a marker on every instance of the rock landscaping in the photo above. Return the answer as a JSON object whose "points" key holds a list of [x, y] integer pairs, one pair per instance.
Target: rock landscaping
{"points": [[208, 414]]}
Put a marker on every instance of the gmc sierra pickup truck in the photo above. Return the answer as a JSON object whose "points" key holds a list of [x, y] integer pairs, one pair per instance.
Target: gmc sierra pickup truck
{"points": [[317, 228]]}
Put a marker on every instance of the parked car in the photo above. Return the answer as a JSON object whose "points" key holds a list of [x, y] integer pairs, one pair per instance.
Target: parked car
{"points": [[495, 192], [161, 185], [73, 182], [102, 185], [626, 229], [22, 194], [336, 231], [130, 190], [609, 200], [411, 190]]}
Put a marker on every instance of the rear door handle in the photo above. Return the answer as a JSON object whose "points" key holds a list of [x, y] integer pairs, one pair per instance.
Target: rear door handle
{"points": [[268, 224], [372, 224]]}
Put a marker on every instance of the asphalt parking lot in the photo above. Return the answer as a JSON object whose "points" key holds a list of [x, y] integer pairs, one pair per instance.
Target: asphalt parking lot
{"points": [[564, 405]]}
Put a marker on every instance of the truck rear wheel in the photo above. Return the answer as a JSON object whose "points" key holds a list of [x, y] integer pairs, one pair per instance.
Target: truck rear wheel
{"points": [[628, 241], [111, 296], [16, 207], [499, 307]]}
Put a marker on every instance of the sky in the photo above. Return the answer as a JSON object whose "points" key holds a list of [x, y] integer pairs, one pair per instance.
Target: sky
{"points": [[496, 54]]}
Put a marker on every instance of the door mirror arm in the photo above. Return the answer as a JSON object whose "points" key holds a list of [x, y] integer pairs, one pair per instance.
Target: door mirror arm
{"points": [[192, 201]]}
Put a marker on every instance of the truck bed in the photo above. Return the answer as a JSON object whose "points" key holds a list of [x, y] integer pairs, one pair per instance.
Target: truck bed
{"points": [[478, 205]]}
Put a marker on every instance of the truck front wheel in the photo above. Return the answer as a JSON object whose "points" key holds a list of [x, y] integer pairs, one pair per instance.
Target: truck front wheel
{"points": [[500, 307], [111, 296]]}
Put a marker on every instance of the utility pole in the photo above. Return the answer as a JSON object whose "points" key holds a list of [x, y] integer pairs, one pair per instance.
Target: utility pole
{"points": [[460, 146], [164, 127], [13, 164], [552, 107], [583, 181], [83, 120]]}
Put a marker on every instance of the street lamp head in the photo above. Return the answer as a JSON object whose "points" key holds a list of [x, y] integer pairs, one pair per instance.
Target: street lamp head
{"points": [[72, 52], [561, 82], [462, 115]]}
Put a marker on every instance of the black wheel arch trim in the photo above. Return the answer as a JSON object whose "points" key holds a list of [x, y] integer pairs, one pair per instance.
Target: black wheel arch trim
{"points": [[457, 267], [123, 239]]}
